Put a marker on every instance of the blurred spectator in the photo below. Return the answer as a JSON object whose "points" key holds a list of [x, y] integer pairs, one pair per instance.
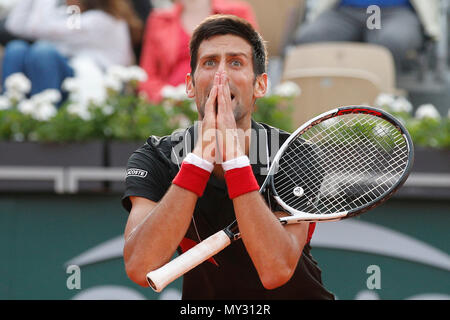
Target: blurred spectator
{"points": [[165, 56], [403, 24], [142, 8], [5, 8], [102, 31]]}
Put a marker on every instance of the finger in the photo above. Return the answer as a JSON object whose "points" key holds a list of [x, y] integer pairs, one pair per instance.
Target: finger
{"points": [[211, 101], [227, 94], [224, 94], [220, 99], [213, 93]]}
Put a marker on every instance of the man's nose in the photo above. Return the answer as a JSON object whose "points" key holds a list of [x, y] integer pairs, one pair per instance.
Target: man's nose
{"points": [[222, 66]]}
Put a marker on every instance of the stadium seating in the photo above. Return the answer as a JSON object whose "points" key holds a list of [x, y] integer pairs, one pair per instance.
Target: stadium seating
{"points": [[277, 21], [325, 89], [349, 55], [331, 74]]}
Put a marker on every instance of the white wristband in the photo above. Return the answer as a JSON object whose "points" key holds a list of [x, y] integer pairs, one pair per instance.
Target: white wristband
{"points": [[199, 162], [239, 162]]}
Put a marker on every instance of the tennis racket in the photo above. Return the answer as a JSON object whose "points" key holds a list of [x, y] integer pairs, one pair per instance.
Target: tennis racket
{"points": [[338, 165]]}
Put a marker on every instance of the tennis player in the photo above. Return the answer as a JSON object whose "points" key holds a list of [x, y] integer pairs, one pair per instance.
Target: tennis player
{"points": [[182, 188]]}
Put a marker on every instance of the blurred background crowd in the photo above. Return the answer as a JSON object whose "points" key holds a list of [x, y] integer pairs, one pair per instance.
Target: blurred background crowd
{"points": [[398, 47]]}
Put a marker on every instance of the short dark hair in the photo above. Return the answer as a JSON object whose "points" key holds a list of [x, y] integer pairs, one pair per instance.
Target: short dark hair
{"points": [[221, 24]]}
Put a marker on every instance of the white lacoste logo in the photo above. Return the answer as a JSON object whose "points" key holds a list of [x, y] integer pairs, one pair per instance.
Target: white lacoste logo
{"points": [[133, 172]]}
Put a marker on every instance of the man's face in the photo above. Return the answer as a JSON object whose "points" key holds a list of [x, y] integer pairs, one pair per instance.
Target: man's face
{"points": [[233, 55]]}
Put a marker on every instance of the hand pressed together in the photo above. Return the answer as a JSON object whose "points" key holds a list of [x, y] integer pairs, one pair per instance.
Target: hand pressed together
{"points": [[219, 135]]}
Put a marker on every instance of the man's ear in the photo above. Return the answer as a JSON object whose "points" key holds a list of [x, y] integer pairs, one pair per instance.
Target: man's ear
{"points": [[260, 88], [190, 86]]}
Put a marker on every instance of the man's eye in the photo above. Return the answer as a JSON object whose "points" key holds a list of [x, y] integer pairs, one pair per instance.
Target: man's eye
{"points": [[209, 63], [236, 63]]}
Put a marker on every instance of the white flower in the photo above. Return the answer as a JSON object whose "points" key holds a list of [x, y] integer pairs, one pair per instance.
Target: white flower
{"points": [[390, 102], [118, 72], [44, 112], [193, 106], [80, 110], [27, 106], [181, 93], [401, 104], [116, 76], [18, 82], [96, 101], [107, 110], [14, 95], [136, 73], [427, 111], [287, 89], [88, 82], [183, 121], [269, 87], [176, 93], [71, 85], [113, 83], [384, 100], [49, 96], [4, 103], [40, 106], [168, 92]]}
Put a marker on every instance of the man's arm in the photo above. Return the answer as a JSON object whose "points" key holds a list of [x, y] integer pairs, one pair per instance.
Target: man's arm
{"points": [[154, 231], [274, 249]]}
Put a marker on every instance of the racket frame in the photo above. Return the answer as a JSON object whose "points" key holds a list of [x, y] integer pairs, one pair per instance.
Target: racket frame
{"points": [[300, 216]]}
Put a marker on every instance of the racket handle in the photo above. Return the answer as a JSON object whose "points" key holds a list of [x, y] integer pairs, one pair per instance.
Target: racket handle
{"points": [[158, 279]]}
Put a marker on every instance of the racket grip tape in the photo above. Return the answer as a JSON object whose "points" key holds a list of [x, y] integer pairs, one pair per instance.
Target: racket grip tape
{"points": [[158, 279]]}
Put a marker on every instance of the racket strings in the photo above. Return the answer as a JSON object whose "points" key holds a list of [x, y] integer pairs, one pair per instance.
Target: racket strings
{"points": [[363, 174], [306, 180], [294, 157], [372, 153], [342, 163]]}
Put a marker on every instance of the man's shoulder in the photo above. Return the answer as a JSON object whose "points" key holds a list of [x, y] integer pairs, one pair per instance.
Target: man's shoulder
{"points": [[274, 131], [162, 147], [270, 127]]}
